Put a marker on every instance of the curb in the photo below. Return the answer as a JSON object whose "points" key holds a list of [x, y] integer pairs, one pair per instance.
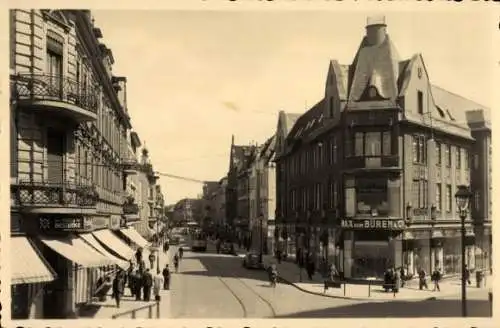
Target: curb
{"points": [[431, 298]]}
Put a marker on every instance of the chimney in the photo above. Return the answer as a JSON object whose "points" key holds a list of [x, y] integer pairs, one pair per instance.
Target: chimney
{"points": [[375, 30]]}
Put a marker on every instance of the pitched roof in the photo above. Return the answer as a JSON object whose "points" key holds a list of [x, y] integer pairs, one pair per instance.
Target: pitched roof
{"points": [[308, 122], [267, 149]]}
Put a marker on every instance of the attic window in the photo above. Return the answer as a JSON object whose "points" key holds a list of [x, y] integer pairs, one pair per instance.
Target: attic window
{"points": [[449, 115], [299, 132], [320, 118], [440, 111]]}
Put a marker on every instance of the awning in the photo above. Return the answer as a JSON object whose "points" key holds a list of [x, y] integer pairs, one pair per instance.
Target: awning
{"points": [[135, 237], [89, 238], [76, 250], [114, 243], [28, 265]]}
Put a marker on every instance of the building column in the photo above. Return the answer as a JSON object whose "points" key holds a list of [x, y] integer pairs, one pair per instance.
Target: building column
{"points": [[347, 253], [396, 250]]}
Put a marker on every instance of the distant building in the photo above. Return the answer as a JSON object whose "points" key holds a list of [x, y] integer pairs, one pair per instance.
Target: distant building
{"points": [[367, 176]]}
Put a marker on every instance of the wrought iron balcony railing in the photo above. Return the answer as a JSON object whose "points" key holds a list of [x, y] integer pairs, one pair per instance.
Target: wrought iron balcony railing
{"points": [[55, 87], [48, 194]]}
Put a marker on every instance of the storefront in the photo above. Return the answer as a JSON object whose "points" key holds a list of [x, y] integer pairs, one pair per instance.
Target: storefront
{"points": [[75, 262], [371, 246], [30, 273]]}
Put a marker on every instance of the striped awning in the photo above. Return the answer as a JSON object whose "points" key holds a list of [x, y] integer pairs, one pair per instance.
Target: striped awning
{"points": [[89, 238], [76, 250], [28, 265], [135, 237], [111, 241]]}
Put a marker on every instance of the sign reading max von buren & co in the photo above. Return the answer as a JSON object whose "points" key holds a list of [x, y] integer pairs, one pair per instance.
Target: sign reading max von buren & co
{"points": [[387, 224]]}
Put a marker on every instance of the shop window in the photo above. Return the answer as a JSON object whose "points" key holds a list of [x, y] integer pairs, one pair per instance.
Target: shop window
{"points": [[452, 256], [371, 196], [370, 258], [421, 255]]}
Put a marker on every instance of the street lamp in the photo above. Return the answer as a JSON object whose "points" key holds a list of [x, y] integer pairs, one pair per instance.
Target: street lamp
{"points": [[462, 197]]}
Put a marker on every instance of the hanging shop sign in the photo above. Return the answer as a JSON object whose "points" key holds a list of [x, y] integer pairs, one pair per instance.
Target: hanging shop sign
{"points": [[100, 222], [382, 224]]}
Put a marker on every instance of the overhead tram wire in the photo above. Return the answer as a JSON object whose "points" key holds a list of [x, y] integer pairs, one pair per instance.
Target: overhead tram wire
{"points": [[168, 175]]}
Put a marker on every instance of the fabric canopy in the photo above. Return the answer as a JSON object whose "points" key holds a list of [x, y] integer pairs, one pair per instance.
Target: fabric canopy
{"points": [[28, 266], [89, 238], [76, 250], [135, 237], [114, 243]]}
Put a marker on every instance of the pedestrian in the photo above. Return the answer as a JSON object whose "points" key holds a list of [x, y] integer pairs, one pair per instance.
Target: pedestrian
{"points": [[117, 288], [436, 277], [147, 280], [333, 273], [181, 252], [176, 263], [151, 260], [467, 275], [422, 279], [310, 267], [158, 281], [166, 278], [278, 255], [403, 276], [138, 255], [138, 286], [397, 281]]}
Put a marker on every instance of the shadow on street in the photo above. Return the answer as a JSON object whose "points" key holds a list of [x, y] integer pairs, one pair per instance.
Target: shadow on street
{"points": [[399, 309], [224, 266]]}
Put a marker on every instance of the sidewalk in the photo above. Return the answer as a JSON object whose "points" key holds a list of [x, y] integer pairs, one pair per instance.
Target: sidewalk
{"points": [[290, 273], [107, 309]]}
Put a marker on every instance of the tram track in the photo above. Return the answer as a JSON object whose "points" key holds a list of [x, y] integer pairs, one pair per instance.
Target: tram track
{"points": [[248, 287]]}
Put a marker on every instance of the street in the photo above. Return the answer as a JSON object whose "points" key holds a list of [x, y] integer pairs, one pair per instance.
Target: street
{"points": [[211, 285]]}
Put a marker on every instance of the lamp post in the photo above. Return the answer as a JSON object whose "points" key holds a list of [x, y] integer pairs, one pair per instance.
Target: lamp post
{"points": [[462, 197]]}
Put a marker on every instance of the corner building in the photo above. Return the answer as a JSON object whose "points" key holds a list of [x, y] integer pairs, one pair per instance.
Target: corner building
{"points": [[69, 124], [367, 177]]}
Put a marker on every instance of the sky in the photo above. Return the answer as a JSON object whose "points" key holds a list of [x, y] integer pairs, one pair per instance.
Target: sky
{"points": [[194, 78]]}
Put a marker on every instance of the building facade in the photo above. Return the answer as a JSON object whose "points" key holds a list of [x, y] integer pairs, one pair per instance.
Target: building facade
{"points": [[262, 198], [367, 176], [69, 124]]}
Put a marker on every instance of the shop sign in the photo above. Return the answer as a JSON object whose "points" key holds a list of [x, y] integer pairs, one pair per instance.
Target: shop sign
{"points": [[99, 222], [114, 222], [62, 224], [386, 224]]}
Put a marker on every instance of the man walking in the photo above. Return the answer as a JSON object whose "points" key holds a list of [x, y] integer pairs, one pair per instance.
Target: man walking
{"points": [[436, 277], [166, 277], [152, 259], [147, 279], [118, 288]]}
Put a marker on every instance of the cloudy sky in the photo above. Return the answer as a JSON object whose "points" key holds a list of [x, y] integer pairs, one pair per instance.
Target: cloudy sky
{"points": [[197, 77]]}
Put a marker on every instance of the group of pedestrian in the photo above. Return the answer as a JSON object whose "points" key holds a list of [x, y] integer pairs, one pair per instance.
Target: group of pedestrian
{"points": [[393, 279]]}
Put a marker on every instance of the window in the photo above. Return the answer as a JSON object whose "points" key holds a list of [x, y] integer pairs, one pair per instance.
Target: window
{"points": [[448, 198], [371, 196], [458, 157], [477, 199], [419, 150], [386, 143], [372, 144], [420, 102], [447, 153], [348, 146], [358, 144], [439, 201], [415, 190], [438, 153], [466, 159]]}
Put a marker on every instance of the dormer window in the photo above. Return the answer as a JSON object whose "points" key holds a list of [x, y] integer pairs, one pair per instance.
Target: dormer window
{"points": [[449, 115]]}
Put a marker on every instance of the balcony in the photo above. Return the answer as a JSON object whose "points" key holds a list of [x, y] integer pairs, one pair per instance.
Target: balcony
{"points": [[56, 95], [54, 198], [131, 210]]}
